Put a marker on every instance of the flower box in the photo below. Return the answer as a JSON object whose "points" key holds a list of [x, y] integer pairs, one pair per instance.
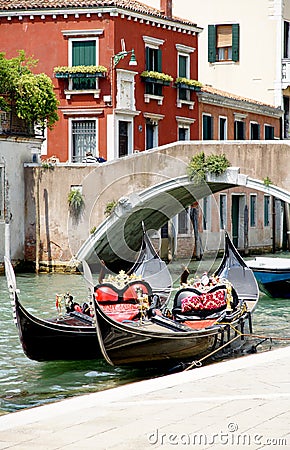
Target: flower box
{"points": [[61, 75], [80, 71], [150, 76], [156, 81], [190, 87], [86, 75]]}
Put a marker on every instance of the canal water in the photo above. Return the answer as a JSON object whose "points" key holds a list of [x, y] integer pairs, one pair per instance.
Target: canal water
{"points": [[25, 383]]}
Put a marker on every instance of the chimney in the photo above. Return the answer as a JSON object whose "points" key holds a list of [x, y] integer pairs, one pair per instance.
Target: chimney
{"points": [[166, 8]]}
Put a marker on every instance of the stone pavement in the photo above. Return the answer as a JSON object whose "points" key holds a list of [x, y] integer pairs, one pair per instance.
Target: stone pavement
{"points": [[239, 404]]}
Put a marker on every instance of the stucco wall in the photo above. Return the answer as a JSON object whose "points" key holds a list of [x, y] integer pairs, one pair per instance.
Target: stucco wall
{"points": [[14, 152], [61, 235]]}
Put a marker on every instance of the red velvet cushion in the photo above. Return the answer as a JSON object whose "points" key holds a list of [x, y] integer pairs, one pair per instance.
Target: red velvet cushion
{"points": [[209, 301], [109, 293], [106, 294]]}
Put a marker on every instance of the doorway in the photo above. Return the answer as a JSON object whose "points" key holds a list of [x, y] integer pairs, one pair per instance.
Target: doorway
{"points": [[238, 215], [123, 138]]}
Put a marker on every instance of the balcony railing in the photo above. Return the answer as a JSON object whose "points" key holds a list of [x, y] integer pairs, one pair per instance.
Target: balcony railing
{"points": [[11, 124]]}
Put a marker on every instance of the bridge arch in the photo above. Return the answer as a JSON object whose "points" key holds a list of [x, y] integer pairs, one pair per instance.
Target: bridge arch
{"points": [[119, 236]]}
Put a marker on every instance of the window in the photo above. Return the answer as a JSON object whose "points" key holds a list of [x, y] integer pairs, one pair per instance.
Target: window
{"points": [[207, 127], [269, 132], [222, 128], [206, 210], [286, 46], [83, 53], [239, 132], [83, 139], [183, 133], [184, 222], [253, 210], [266, 210], [154, 63], [2, 192], [223, 43], [223, 211], [183, 71], [151, 134], [254, 131]]}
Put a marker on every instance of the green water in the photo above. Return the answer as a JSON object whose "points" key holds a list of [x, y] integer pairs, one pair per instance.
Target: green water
{"points": [[25, 383]]}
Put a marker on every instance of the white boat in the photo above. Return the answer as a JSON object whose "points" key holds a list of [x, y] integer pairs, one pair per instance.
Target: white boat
{"points": [[272, 274]]}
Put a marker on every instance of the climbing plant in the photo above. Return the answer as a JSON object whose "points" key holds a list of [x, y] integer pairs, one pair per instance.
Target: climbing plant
{"points": [[110, 206], [200, 165], [31, 94]]}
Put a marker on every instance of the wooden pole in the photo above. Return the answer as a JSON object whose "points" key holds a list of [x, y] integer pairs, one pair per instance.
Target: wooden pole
{"points": [[37, 220], [273, 224]]}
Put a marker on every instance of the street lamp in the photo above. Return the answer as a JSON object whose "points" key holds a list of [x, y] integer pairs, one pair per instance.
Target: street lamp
{"points": [[121, 55]]}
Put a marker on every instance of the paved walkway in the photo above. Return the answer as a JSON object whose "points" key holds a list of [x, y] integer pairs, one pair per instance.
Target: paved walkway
{"points": [[238, 404]]}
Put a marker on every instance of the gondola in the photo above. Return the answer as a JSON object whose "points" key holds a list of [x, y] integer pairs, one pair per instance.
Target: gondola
{"points": [[219, 310], [72, 336]]}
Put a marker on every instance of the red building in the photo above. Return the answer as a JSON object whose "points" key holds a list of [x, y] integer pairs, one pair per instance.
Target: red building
{"points": [[117, 111]]}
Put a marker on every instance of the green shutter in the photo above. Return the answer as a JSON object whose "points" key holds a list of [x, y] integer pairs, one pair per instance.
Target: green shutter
{"points": [[147, 58], [84, 53], [235, 42], [211, 43], [182, 66], [159, 60]]}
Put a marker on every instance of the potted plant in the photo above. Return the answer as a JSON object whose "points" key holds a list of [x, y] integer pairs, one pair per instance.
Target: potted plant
{"points": [[79, 71], [76, 202], [187, 83], [149, 76]]}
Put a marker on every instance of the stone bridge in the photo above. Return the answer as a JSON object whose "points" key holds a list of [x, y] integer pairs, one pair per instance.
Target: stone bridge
{"points": [[151, 186]]}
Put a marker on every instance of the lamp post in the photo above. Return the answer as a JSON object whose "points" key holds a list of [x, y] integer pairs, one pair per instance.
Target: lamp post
{"points": [[121, 55]]}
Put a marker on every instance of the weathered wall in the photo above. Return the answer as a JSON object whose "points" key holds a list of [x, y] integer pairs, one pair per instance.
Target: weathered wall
{"points": [[61, 235], [14, 152]]}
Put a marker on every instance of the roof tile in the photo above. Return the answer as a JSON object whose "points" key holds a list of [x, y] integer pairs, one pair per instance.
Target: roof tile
{"points": [[131, 5]]}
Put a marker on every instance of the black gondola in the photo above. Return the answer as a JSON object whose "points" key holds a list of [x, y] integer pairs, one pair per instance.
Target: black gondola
{"points": [[73, 335], [188, 334]]}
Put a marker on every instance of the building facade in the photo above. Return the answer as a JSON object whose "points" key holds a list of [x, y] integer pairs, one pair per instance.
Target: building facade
{"points": [[115, 111], [244, 48]]}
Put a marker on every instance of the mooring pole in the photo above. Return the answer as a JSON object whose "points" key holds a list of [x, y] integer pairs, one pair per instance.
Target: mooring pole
{"points": [[273, 224]]}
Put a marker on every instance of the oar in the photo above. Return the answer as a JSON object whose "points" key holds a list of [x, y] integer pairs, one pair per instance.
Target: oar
{"points": [[90, 284]]}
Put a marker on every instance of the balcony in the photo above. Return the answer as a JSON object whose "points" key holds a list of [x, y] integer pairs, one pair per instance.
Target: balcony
{"points": [[81, 79], [12, 125]]}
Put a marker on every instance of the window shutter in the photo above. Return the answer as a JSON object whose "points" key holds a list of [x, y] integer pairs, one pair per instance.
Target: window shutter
{"points": [[182, 66], [159, 60], [236, 41], [84, 53], [211, 43], [147, 56]]}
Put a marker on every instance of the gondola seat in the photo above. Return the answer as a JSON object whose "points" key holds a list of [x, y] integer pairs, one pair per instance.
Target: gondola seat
{"points": [[122, 303], [193, 304]]}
